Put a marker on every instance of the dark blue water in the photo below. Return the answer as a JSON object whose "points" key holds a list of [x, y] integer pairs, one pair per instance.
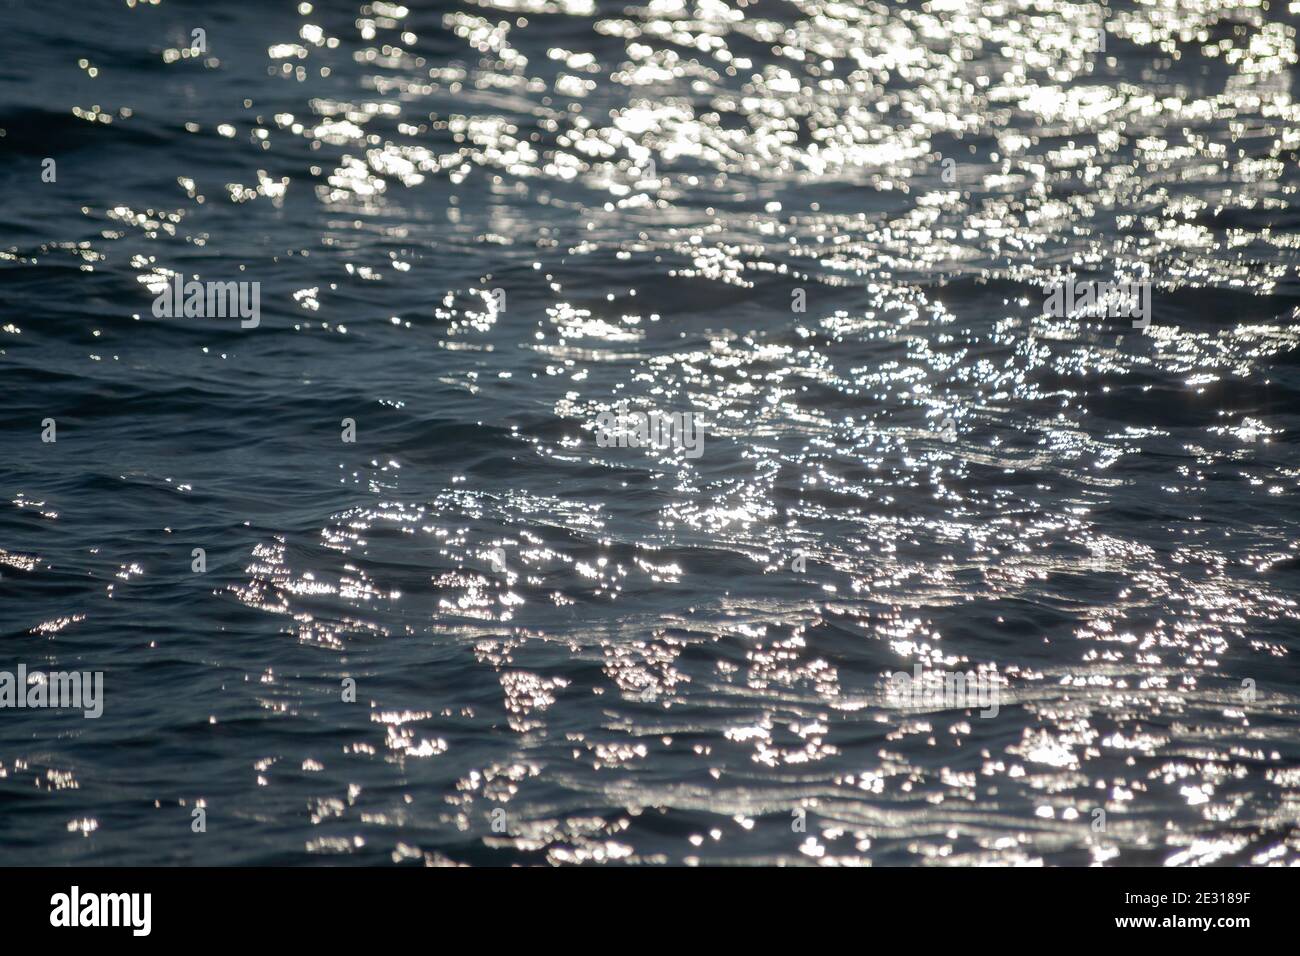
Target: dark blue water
{"points": [[1107, 523]]}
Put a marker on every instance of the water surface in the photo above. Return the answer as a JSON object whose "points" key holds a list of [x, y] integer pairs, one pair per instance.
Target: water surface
{"points": [[1102, 518]]}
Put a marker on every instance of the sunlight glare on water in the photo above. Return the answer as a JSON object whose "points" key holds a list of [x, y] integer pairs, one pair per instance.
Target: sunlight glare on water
{"points": [[826, 230]]}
